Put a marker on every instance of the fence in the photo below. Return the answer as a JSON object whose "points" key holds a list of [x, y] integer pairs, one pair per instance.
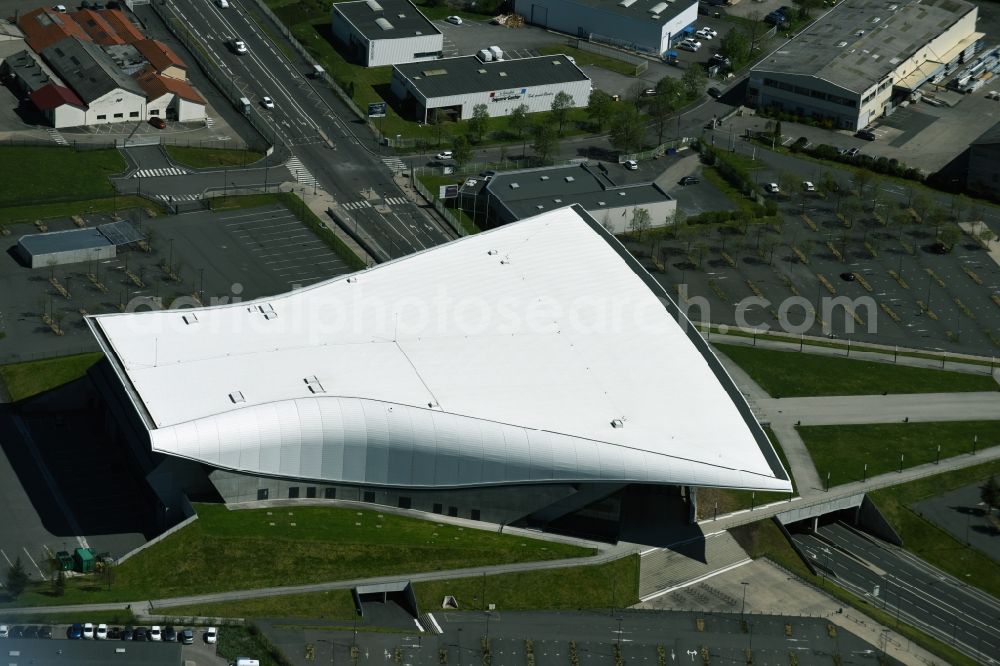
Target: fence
{"points": [[623, 44], [641, 64], [659, 151], [448, 215]]}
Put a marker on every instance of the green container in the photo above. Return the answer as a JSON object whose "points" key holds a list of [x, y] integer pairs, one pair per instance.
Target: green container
{"points": [[84, 560], [64, 560]]}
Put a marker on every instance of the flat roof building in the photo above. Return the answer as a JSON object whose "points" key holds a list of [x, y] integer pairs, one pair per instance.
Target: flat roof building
{"points": [[405, 381], [34, 652], [608, 198], [56, 248], [845, 67], [455, 85], [385, 32], [640, 25]]}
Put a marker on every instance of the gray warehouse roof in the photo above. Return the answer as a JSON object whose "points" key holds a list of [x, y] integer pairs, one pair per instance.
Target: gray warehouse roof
{"points": [[990, 137], [87, 69], [113, 233], [468, 74], [640, 10], [386, 19], [858, 42], [90, 653], [29, 69], [548, 188]]}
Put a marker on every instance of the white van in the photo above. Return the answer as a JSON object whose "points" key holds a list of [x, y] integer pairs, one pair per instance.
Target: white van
{"points": [[246, 661]]}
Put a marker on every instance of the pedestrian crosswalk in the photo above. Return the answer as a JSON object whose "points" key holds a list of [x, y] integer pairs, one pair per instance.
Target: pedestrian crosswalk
{"points": [[299, 172], [394, 163], [357, 205], [209, 122], [396, 201], [156, 173], [57, 137], [388, 201], [170, 198]]}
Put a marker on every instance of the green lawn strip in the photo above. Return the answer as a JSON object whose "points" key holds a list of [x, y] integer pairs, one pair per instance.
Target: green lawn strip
{"points": [[35, 174], [297, 206], [788, 374], [201, 158], [764, 539], [111, 617], [720, 501], [247, 641], [332, 605], [843, 450], [231, 550], [735, 197], [24, 380], [588, 58], [44, 211], [615, 584]]}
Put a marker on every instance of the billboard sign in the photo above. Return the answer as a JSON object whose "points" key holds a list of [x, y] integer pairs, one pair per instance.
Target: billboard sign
{"points": [[376, 110], [448, 192]]}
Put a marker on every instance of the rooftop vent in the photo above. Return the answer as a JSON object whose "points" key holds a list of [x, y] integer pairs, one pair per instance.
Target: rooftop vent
{"points": [[384, 24], [621, 194], [514, 186], [267, 310], [570, 179], [417, 32], [352, 280], [859, 33], [237, 397], [190, 318], [841, 44], [401, 15], [503, 73], [601, 203], [657, 8], [481, 71], [434, 72], [374, 6], [893, 8], [557, 200], [313, 384], [626, 3], [544, 178], [491, 252], [557, 62], [539, 206], [876, 19], [617, 423]]}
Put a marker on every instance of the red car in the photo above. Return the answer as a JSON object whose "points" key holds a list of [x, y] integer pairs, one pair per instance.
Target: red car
{"points": [[158, 123]]}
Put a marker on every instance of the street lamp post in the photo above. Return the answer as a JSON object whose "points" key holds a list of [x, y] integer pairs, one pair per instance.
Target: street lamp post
{"points": [[743, 606]]}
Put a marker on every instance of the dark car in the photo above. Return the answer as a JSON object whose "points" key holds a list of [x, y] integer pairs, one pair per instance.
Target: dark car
{"points": [[16, 632], [128, 633], [158, 123], [170, 634], [140, 635], [848, 277], [31, 632], [690, 180], [115, 633], [45, 632], [714, 92], [75, 632], [187, 636], [867, 135]]}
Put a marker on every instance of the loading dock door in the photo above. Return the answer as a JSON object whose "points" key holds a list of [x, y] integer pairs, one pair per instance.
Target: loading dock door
{"points": [[540, 15]]}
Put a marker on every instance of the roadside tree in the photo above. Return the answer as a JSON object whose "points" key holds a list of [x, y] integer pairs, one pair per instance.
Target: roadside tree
{"points": [[640, 222], [627, 129], [544, 140], [600, 108], [17, 579], [561, 106], [479, 121], [517, 120], [989, 493], [461, 149], [735, 46], [693, 82]]}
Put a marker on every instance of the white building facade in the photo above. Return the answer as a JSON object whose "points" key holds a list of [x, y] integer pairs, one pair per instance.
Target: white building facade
{"points": [[642, 25], [385, 32]]}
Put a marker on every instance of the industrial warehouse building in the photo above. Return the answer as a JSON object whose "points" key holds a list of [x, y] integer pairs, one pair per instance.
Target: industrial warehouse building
{"points": [[608, 197], [605, 402], [76, 246], [454, 86], [640, 25], [858, 61], [385, 32]]}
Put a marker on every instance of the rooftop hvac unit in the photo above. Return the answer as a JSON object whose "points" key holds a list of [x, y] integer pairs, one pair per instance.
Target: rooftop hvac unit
{"points": [[657, 8], [627, 3], [383, 23], [373, 5]]}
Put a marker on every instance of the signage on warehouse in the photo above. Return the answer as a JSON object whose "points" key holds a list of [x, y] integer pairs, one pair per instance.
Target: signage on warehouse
{"points": [[507, 95]]}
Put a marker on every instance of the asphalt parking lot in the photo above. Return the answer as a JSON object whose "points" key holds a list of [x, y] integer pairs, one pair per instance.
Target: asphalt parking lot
{"points": [[199, 653], [962, 514], [245, 253]]}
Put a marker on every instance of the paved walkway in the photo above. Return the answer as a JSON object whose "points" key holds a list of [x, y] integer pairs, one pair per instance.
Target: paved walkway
{"points": [[895, 408]]}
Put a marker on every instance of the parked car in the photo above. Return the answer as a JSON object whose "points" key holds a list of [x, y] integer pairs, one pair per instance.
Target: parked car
{"points": [[186, 636], [88, 631], [631, 165], [45, 632], [649, 92], [158, 123], [31, 632], [705, 33], [223, 4], [853, 152], [714, 92], [74, 632], [454, 20], [690, 180], [59, 8], [709, 31], [4, 631], [444, 155], [115, 633], [128, 633], [694, 42], [169, 634], [267, 102], [867, 135], [239, 46], [687, 46], [211, 635], [156, 634], [102, 632], [807, 186], [140, 635], [16, 631], [772, 188]]}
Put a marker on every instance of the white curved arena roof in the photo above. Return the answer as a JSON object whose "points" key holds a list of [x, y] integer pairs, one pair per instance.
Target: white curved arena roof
{"points": [[537, 352]]}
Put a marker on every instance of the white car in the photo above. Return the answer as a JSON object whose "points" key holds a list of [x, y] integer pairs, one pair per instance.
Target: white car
{"points": [[808, 186], [631, 165], [4, 631], [771, 188], [267, 102], [156, 634], [211, 635], [687, 46], [59, 8], [102, 632], [704, 33], [709, 31], [444, 155], [239, 46], [455, 20], [693, 42], [223, 4], [88, 631]]}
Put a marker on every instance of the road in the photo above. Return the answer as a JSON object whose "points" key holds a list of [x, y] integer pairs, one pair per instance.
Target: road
{"points": [[907, 587], [313, 123]]}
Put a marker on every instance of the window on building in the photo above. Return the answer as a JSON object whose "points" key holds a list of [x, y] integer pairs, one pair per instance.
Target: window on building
{"points": [[119, 115], [154, 112], [453, 511], [311, 492], [293, 492], [438, 507], [262, 493], [474, 514], [405, 502], [369, 496], [330, 493], [102, 116], [133, 114]]}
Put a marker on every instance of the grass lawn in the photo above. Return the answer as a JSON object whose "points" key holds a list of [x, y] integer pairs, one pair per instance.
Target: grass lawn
{"points": [[112, 617], [588, 58], [790, 374], [764, 539], [43, 173], [44, 211], [237, 641], [200, 158], [843, 450], [234, 550], [24, 380], [332, 605]]}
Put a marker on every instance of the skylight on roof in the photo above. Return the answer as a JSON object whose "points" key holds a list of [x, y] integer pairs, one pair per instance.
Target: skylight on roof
{"points": [[434, 72]]}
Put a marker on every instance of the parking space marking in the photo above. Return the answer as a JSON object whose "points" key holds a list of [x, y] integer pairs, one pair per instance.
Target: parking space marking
{"points": [[35, 564]]}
